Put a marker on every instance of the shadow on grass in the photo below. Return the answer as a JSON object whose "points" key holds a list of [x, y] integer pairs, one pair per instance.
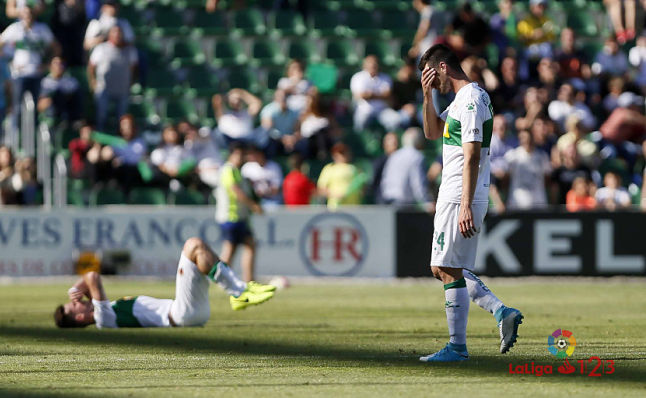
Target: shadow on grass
{"points": [[483, 366]]}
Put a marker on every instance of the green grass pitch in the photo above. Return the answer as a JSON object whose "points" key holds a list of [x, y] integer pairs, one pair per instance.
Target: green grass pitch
{"points": [[327, 339]]}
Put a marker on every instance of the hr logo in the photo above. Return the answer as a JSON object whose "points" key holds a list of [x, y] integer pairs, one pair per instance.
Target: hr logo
{"points": [[333, 244]]}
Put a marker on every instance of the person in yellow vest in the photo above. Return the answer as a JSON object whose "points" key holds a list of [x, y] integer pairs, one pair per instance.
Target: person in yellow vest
{"points": [[340, 181]]}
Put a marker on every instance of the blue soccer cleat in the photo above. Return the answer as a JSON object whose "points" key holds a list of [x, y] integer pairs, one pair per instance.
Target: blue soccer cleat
{"points": [[508, 326], [446, 354]]}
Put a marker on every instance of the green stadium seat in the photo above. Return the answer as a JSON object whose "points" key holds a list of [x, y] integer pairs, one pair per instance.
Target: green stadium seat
{"points": [[249, 22], [273, 76], [106, 196], [362, 23], [243, 78], [342, 53], [304, 50], [152, 50], [147, 196], [323, 76], [169, 21], [267, 53], [203, 80], [188, 51], [228, 52], [287, 23], [384, 53], [187, 197], [143, 110], [211, 24], [326, 23], [161, 81], [135, 16], [583, 23], [387, 5], [75, 197], [400, 24], [178, 109]]}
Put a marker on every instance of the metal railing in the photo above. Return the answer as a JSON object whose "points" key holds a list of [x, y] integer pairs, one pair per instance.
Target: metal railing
{"points": [[60, 182], [44, 163], [28, 125]]}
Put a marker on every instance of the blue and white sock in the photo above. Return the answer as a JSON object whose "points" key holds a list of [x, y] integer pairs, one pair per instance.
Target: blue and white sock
{"points": [[480, 293], [457, 313], [227, 279]]}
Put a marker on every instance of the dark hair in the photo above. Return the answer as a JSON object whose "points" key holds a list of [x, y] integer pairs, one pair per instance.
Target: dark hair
{"points": [[295, 161], [440, 53], [236, 146], [64, 320]]}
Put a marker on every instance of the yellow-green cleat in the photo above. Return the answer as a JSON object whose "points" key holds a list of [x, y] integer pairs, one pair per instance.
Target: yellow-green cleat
{"points": [[260, 288], [249, 297]]}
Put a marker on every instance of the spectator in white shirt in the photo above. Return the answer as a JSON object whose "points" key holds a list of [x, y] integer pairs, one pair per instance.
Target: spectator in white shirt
{"points": [[235, 124], [98, 29], [566, 104], [265, 176], [295, 86], [170, 154], [404, 176], [612, 196], [527, 168], [200, 145], [29, 43], [281, 123], [60, 95], [610, 60], [111, 71], [371, 92]]}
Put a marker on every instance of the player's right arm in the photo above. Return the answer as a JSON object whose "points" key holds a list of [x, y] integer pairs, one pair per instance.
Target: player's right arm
{"points": [[95, 287], [433, 124]]}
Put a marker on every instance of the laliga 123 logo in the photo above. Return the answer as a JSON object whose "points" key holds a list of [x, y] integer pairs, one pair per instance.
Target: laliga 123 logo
{"points": [[561, 343]]}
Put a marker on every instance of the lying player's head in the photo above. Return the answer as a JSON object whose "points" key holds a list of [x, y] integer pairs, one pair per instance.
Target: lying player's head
{"points": [[74, 314], [445, 62]]}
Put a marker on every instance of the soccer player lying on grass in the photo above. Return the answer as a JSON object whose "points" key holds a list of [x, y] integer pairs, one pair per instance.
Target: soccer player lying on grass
{"points": [[197, 265]]}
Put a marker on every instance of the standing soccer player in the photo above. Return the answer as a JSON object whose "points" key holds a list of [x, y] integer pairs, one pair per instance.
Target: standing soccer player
{"points": [[465, 127]]}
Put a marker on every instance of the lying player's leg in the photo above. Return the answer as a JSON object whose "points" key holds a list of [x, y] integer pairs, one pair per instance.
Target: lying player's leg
{"points": [[508, 318]]}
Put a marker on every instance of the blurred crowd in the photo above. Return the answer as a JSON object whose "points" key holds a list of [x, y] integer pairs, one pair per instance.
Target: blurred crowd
{"points": [[569, 126]]}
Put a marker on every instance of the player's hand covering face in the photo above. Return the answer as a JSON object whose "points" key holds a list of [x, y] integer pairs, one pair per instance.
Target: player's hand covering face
{"points": [[429, 80]]}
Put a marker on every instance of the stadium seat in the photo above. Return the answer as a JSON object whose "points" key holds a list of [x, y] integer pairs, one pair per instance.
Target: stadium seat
{"points": [[267, 53], [203, 80], [582, 23], [228, 52], [211, 24], [400, 24], [383, 52], [147, 196], [342, 53], [304, 50], [188, 51], [287, 23], [273, 76], [178, 109], [323, 76], [135, 16], [326, 23], [106, 196], [143, 110], [248, 22], [187, 197], [243, 78], [169, 21], [386, 5], [161, 81], [152, 50], [362, 23]]}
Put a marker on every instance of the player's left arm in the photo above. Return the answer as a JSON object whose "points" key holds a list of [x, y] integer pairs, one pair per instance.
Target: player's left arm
{"points": [[471, 119], [95, 286], [78, 291]]}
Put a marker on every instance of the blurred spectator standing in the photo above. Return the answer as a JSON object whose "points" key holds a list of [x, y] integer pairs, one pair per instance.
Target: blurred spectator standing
{"points": [[79, 148], [536, 32], [572, 61], [60, 96], [265, 176], [579, 198], [295, 86], [235, 121], [528, 169], [431, 25], [508, 96], [627, 122], [280, 123], [566, 104], [340, 181], [468, 33], [390, 143], [68, 25], [297, 188], [612, 196], [201, 147], [371, 91], [315, 130], [404, 178], [30, 43], [98, 30], [503, 27], [111, 71]]}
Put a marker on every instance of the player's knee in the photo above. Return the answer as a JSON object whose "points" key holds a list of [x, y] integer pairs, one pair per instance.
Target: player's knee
{"points": [[192, 245], [437, 273]]}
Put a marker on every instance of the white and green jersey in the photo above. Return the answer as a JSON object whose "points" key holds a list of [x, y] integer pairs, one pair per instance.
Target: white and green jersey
{"points": [[468, 118], [132, 312]]}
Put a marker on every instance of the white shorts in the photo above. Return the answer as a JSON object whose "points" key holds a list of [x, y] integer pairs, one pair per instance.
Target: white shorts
{"points": [[450, 248], [191, 305]]}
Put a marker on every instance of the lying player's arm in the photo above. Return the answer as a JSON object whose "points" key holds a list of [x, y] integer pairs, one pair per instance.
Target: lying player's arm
{"points": [[94, 286], [433, 125], [78, 291], [471, 152]]}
